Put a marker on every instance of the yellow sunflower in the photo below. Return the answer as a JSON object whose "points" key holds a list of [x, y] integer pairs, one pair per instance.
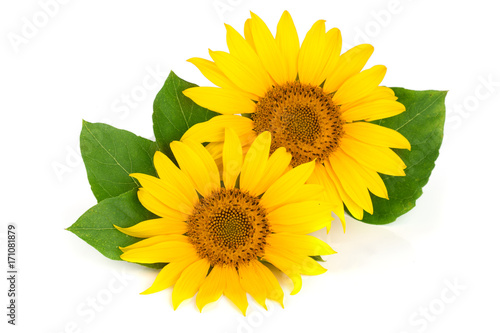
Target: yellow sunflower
{"points": [[317, 103], [220, 238]]}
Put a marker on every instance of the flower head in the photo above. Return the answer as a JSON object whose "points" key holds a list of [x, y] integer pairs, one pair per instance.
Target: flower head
{"points": [[317, 103], [220, 227]]}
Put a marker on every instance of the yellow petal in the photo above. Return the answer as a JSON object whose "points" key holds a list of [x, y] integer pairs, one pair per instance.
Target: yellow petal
{"points": [[334, 46], [377, 135], [300, 264], [288, 42], [301, 217], [287, 185], [232, 158], [291, 269], [157, 207], [349, 64], [371, 178], [208, 161], [190, 281], [193, 166], [378, 93], [169, 275], [165, 192], [221, 100], [255, 161], [352, 206], [242, 68], [351, 181], [269, 281], [233, 289], [380, 159], [248, 33], [210, 70], [374, 110], [359, 85], [155, 227], [214, 130], [154, 240], [301, 244], [331, 193], [170, 173], [313, 55], [252, 284], [307, 192], [275, 167], [268, 51], [211, 289], [161, 252]]}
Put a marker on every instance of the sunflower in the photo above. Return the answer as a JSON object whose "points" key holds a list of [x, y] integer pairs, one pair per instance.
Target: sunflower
{"points": [[221, 238], [316, 102]]}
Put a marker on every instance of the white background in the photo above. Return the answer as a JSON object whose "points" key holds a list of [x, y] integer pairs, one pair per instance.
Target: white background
{"points": [[85, 60]]}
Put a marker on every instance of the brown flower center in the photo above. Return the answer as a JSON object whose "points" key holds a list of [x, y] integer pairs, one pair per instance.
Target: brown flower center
{"points": [[301, 118], [228, 227]]}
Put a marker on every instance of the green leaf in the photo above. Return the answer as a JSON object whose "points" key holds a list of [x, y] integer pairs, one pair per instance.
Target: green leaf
{"points": [[110, 155], [174, 113], [318, 258], [96, 228], [422, 124]]}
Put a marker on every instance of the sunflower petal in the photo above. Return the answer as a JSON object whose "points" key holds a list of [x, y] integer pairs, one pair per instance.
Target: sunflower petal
{"points": [[287, 185], [155, 227], [169, 275], [252, 284], [380, 159], [210, 70], [348, 64], [313, 55], [158, 207], [232, 158], [300, 218], [214, 130], [211, 289], [190, 281], [355, 210], [255, 161], [359, 85], [331, 193], [165, 192], [193, 166], [276, 166], [221, 100], [233, 289], [169, 172], [301, 244], [288, 42], [268, 50], [351, 181], [162, 252], [377, 135], [373, 110]]}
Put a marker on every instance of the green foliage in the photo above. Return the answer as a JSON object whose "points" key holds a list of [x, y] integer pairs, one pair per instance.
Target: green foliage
{"points": [[110, 155], [174, 113], [422, 124]]}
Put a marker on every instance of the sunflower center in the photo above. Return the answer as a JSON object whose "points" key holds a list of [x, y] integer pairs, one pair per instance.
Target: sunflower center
{"points": [[301, 118], [228, 227]]}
